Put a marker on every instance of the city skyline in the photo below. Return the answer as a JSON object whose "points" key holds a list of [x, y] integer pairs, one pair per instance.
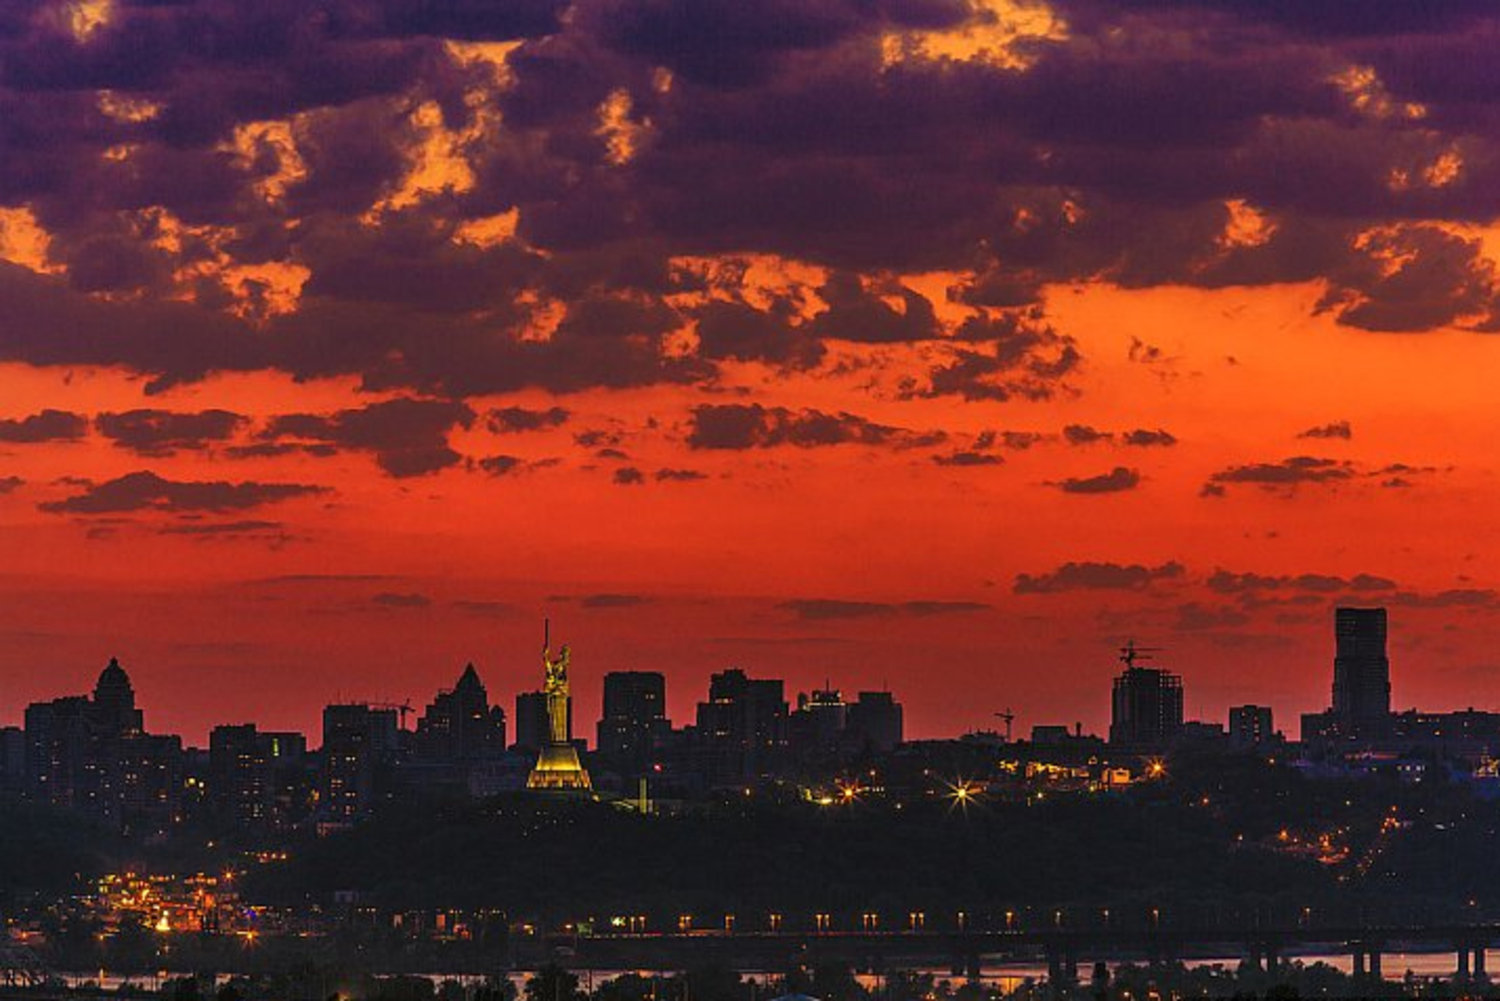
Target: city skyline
{"points": [[1360, 637], [949, 344]]}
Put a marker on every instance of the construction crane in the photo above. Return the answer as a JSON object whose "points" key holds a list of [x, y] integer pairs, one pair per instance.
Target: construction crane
{"points": [[1130, 653], [1009, 717], [402, 708]]}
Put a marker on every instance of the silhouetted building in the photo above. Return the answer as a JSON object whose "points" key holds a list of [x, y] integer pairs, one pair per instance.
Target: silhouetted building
{"points": [[1361, 672], [360, 743], [874, 723], [12, 761], [741, 729], [1250, 727], [114, 708], [91, 754], [634, 719], [531, 720], [144, 775], [1147, 707], [256, 779], [460, 725], [816, 728]]}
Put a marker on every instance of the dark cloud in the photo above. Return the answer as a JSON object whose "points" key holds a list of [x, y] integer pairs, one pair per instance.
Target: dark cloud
{"points": [[750, 425], [408, 437], [244, 527], [1412, 278], [163, 432], [678, 475], [1089, 575], [1083, 434], [1334, 429], [49, 425], [9, 484], [742, 332], [1226, 582], [499, 465], [628, 476], [1143, 437], [1198, 143], [968, 458], [612, 600], [145, 491], [401, 599], [1451, 598], [1117, 479], [520, 419], [1286, 473]]}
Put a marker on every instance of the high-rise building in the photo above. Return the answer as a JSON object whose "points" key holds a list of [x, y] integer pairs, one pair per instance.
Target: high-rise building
{"points": [[742, 728], [1146, 704], [12, 761], [114, 708], [460, 725], [93, 755], [359, 745], [816, 728], [256, 779], [1361, 672], [1250, 726], [634, 719], [531, 720], [875, 723]]}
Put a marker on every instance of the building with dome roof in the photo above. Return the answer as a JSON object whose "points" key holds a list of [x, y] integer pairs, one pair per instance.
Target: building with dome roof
{"points": [[92, 754]]}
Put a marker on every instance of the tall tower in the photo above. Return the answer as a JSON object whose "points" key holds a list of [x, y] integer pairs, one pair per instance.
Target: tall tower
{"points": [[1146, 703], [557, 764], [1361, 671]]}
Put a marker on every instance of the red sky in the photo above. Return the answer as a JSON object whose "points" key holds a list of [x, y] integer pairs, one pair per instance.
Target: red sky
{"points": [[939, 345]]}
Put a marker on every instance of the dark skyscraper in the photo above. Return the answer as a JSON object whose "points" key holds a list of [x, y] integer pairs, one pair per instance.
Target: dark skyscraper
{"points": [[635, 718], [460, 725], [359, 744], [1361, 671], [1147, 705], [531, 720], [1250, 726], [742, 727], [874, 722], [92, 755]]}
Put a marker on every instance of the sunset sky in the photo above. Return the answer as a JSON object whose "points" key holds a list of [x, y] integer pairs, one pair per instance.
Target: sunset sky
{"points": [[941, 345]]}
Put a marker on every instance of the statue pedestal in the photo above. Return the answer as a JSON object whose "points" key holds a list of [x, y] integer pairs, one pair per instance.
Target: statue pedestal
{"points": [[558, 767]]}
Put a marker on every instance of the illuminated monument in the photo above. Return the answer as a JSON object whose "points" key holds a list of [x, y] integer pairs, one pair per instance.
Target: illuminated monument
{"points": [[557, 764]]}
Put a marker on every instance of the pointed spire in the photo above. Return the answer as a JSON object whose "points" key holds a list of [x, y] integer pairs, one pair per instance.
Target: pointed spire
{"points": [[470, 677]]}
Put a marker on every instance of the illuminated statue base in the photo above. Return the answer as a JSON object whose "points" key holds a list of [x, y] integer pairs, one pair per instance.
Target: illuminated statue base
{"points": [[558, 767]]}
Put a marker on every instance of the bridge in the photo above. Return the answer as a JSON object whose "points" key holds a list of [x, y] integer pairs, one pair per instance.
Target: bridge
{"points": [[966, 952]]}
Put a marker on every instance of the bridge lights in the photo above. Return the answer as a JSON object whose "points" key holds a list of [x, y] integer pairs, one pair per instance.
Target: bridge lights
{"points": [[774, 921], [916, 919], [822, 922]]}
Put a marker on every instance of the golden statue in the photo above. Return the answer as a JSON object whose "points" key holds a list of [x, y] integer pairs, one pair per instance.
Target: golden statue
{"points": [[557, 764]]}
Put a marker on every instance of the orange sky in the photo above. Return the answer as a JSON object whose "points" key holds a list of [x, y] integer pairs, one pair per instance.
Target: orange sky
{"points": [[823, 351]]}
